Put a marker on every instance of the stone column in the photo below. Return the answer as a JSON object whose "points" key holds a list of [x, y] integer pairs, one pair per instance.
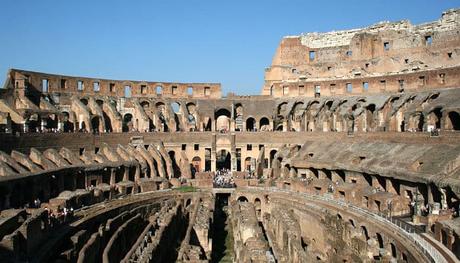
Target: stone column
{"points": [[126, 174], [112, 177], [43, 125], [213, 153], [25, 126]]}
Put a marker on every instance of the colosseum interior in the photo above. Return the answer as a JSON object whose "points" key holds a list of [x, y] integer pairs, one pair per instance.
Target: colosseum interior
{"points": [[350, 154]]}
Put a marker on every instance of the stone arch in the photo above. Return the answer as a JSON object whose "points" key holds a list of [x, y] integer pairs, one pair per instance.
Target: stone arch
{"points": [[222, 119], [242, 198], [176, 169], [145, 104], [67, 125], [196, 165], [127, 122], [364, 232], [264, 124], [454, 120], [352, 222], [394, 252], [379, 240], [96, 124], [258, 207], [162, 122], [250, 124]]}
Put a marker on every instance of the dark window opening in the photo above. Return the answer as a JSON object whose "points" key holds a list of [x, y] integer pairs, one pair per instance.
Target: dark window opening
{"points": [[421, 80], [196, 147], [63, 84], [349, 87], [401, 85], [96, 86], [301, 90], [317, 91], [143, 89], [80, 85], [386, 46], [365, 86], [449, 54], [406, 60], [111, 87], [428, 40], [442, 78], [128, 91], [174, 90], [45, 85], [184, 147], [249, 147]]}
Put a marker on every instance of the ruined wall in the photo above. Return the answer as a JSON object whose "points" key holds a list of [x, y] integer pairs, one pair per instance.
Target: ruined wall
{"points": [[385, 57]]}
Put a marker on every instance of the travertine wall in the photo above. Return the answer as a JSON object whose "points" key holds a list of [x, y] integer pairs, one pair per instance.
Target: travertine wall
{"points": [[387, 56]]}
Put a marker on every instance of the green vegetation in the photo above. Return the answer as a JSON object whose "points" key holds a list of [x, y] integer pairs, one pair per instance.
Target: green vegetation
{"points": [[186, 189]]}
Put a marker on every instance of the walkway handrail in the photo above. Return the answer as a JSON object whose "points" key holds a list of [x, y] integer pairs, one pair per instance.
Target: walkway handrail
{"points": [[410, 233]]}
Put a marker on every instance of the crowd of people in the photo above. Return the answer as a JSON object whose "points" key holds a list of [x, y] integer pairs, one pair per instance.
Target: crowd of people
{"points": [[224, 178]]}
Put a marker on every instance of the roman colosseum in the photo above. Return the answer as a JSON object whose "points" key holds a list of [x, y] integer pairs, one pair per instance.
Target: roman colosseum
{"points": [[350, 154]]}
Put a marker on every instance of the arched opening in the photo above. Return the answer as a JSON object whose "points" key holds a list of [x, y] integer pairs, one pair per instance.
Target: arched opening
{"points": [[364, 232], [127, 122], [437, 112], [95, 124], [223, 160], [272, 156], [196, 165], [52, 122], [177, 111], [161, 109], [454, 118], [379, 240], [242, 199], [67, 125], [175, 107], [84, 101], [145, 105], [250, 124], [34, 123], [222, 118], [264, 124], [393, 250], [248, 164], [107, 122], [176, 169], [258, 208], [191, 116], [352, 223]]}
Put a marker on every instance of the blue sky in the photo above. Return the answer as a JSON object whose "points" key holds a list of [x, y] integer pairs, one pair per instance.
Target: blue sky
{"points": [[230, 42]]}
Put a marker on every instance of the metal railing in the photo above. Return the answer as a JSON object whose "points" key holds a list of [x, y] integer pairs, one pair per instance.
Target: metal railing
{"points": [[409, 231]]}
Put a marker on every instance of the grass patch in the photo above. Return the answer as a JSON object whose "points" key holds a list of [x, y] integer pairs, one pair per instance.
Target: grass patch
{"points": [[186, 189]]}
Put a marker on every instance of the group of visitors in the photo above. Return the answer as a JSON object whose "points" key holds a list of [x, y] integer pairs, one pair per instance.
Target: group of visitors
{"points": [[224, 178]]}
